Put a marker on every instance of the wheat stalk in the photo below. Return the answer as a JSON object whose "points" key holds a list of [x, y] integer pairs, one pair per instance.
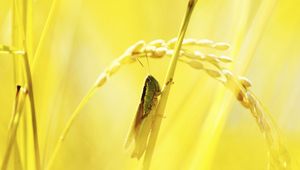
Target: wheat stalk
{"points": [[29, 84], [17, 110], [167, 87], [25, 42], [43, 34]]}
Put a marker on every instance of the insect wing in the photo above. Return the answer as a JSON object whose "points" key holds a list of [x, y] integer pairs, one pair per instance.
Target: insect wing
{"points": [[141, 138], [134, 127]]}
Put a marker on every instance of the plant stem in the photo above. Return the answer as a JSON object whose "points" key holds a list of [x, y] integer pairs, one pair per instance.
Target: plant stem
{"points": [[19, 79], [43, 34], [33, 113], [166, 88], [69, 123], [17, 162], [28, 46], [14, 112], [20, 101]]}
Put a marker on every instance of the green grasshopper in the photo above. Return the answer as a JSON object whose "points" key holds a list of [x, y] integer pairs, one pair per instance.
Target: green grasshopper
{"points": [[142, 124]]}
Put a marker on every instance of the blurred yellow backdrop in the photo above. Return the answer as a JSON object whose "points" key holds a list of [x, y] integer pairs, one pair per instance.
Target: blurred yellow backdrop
{"points": [[84, 37]]}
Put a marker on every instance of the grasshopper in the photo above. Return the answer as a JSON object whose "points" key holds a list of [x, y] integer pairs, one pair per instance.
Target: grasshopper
{"points": [[142, 124]]}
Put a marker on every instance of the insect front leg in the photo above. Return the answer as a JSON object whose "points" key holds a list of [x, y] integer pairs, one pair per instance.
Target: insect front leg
{"points": [[170, 82]]}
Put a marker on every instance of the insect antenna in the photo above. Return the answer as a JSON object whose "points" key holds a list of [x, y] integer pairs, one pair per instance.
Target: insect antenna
{"points": [[140, 62], [148, 64]]}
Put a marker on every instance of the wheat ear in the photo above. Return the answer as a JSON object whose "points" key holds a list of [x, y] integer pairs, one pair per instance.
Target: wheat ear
{"points": [[155, 49]]}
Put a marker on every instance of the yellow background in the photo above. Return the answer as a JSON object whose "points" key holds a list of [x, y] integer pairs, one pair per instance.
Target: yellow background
{"points": [[85, 36]]}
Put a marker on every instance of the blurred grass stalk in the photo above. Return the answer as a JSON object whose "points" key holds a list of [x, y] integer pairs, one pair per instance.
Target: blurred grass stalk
{"points": [[16, 114], [214, 123], [22, 40]]}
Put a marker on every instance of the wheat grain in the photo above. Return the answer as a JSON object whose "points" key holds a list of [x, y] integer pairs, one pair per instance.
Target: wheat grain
{"points": [[205, 43], [158, 43], [221, 46], [246, 83], [225, 59], [195, 64], [213, 73]]}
